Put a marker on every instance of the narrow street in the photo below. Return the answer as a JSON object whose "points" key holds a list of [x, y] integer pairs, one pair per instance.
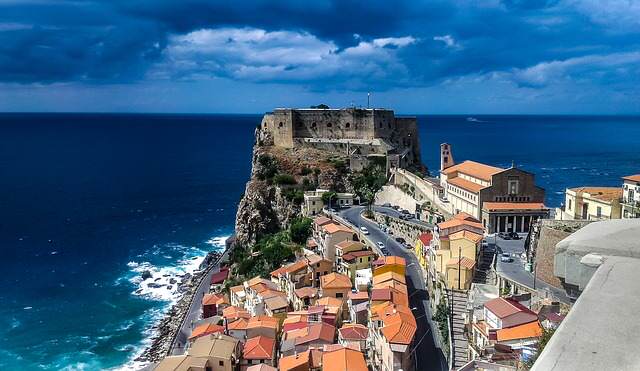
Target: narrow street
{"points": [[427, 356]]}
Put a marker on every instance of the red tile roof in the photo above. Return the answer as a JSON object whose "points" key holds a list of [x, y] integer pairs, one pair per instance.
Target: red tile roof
{"points": [[205, 329], [426, 238], [259, 347], [468, 235], [335, 281], [360, 295], [239, 324], [318, 332], [219, 277], [464, 262], [466, 184], [344, 359], [475, 169], [502, 307], [354, 332], [321, 220], [526, 331]]}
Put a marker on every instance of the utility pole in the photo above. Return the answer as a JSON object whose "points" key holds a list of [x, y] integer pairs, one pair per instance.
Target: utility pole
{"points": [[459, 264], [368, 99]]}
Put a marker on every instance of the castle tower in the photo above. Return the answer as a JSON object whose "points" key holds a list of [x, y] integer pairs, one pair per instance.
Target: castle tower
{"points": [[446, 156]]}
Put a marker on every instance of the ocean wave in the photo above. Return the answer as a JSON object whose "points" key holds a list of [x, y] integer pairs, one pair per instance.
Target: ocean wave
{"points": [[219, 242]]}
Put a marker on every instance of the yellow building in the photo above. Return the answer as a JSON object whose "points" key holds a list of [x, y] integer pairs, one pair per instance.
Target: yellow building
{"points": [[422, 246], [394, 264], [456, 250], [591, 203]]}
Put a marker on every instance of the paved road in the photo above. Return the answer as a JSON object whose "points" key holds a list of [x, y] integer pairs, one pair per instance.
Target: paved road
{"points": [[515, 270], [178, 346], [428, 357], [395, 213]]}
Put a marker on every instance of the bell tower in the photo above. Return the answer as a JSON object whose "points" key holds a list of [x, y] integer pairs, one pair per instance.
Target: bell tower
{"points": [[446, 156]]}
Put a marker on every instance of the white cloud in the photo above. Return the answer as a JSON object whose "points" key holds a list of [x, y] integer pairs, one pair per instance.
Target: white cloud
{"points": [[448, 40], [257, 55], [619, 15], [610, 67]]}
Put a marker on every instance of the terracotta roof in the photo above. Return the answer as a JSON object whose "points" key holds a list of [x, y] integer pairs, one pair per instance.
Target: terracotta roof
{"points": [[466, 184], [269, 293], [219, 277], [502, 307], [321, 220], [357, 254], [526, 331], [328, 302], [317, 331], [205, 329], [426, 238], [343, 360], [633, 178], [388, 276], [389, 294], [306, 292], [465, 216], [475, 169], [261, 367], [335, 281], [472, 222], [395, 260], [360, 295], [239, 324], [607, 194], [296, 362], [235, 312], [278, 272], [394, 284], [354, 331], [263, 321], [464, 262], [213, 299], [399, 324], [276, 302], [259, 347], [347, 244], [315, 259], [334, 228], [236, 288], [471, 236], [218, 346], [296, 267], [489, 206]]}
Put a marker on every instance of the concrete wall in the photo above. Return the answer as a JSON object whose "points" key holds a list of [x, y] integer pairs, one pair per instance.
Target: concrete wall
{"points": [[401, 228]]}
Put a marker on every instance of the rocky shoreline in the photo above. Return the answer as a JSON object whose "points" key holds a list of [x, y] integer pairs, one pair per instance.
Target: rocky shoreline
{"points": [[166, 329]]}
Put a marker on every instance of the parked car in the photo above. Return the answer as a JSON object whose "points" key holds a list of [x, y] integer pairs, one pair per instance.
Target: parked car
{"points": [[506, 258], [408, 245], [504, 235], [400, 240], [384, 251], [514, 236], [364, 230], [386, 204], [395, 207], [380, 245]]}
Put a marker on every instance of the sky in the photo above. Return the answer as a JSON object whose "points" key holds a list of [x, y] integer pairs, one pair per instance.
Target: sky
{"points": [[249, 56]]}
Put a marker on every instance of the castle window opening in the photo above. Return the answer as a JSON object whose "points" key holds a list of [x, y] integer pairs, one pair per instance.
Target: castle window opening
{"points": [[280, 124], [347, 125], [313, 125], [329, 124]]}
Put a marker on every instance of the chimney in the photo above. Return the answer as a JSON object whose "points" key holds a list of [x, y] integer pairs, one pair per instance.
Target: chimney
{"points": [[446, 156]]}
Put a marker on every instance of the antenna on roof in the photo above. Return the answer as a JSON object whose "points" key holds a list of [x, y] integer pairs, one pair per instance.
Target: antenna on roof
{"points": [[368, 99]]}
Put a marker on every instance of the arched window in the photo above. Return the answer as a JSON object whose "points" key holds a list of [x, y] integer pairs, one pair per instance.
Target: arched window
{"points": [[313, 125], [347, 125], [328, 124], [280, 124]]}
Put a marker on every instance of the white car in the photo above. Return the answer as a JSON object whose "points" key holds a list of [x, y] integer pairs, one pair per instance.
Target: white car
{"points": [[380, 244], [364, 230]]}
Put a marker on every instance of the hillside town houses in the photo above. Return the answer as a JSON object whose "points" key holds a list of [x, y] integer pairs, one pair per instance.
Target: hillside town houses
{"points": [[343, 303]]}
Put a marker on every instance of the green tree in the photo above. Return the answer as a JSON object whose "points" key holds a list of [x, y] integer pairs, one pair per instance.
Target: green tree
{"points": [[368, 182], [300, 230], [320, 106], [284, 179]]}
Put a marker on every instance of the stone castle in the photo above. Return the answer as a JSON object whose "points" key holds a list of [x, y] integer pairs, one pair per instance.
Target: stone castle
{"points": [[360, 134]]}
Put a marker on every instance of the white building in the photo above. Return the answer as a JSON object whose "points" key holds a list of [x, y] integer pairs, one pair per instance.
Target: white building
{"points": [[631, 196], [313, 203]]}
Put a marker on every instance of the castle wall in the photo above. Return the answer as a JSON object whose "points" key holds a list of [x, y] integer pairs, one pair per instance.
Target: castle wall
{"points": [[333, 124]]}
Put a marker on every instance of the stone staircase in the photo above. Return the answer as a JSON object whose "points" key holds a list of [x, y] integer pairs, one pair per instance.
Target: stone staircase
{"points": [[484, 272], [460, 343]]}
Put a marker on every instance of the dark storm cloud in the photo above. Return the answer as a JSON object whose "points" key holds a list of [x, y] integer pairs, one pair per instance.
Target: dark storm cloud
{"points": [[321, 44]]}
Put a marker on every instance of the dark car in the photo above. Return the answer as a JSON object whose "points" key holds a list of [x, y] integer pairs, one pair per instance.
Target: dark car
{"points": [[504, 235], [400, 240], [514, 236]]}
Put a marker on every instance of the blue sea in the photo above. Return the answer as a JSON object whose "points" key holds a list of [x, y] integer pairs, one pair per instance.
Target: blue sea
{"points": [[89, 201]]}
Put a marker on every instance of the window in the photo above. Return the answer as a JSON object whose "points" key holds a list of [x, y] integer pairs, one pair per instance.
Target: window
{"points": [[280, 124], [513, 186], [329, 124], [569, 204], [339, 295], [347, 125], [599, 211], [220, 363], [313, 125]]}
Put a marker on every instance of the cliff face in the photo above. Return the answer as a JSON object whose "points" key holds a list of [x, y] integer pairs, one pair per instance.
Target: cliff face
{"points": [[267, 207]]}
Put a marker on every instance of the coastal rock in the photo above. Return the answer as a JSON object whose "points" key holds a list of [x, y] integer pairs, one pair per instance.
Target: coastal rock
{"points": [[173, 281], [154, 285], [146, 274]]}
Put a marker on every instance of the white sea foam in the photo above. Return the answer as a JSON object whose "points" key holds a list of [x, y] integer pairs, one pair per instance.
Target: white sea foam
{"points": [[218, 242]]}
